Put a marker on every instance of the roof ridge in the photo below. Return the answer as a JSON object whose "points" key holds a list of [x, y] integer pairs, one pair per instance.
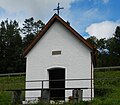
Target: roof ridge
{"points": [[47, 26]]}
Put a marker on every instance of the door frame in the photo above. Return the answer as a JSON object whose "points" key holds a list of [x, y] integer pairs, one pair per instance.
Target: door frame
{"points": [[55, 69]]}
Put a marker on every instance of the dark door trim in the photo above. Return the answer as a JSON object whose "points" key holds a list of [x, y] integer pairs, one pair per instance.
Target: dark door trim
{"points": [[56, 74]]}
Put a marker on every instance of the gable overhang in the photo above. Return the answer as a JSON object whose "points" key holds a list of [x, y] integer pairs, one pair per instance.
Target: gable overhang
{"points": [[47, 26]]}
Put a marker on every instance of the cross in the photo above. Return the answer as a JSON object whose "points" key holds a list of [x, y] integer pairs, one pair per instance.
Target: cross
{"points": [[58, 8]]}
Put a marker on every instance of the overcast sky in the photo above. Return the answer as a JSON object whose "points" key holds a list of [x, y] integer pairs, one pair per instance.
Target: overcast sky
{"points": [[89, 17]]}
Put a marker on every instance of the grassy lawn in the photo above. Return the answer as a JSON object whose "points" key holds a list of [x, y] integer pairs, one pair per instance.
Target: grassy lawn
{"points": [[10, 83], [107, 91], [15, 82], [107, 87]]}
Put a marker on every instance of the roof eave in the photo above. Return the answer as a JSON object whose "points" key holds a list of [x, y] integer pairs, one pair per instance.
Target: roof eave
{"points": [[47, 26]]}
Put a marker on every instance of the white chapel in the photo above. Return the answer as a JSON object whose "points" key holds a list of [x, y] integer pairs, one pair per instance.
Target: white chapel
{"points": [[59, 53]]}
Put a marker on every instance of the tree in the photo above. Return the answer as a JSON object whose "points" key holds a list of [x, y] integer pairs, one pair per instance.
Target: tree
{"points": [[12, 44], [108, 49], [10, 47], [92, 40], [102, 51], [2, 46], [113, 46], [117, 41], [30, 29]]}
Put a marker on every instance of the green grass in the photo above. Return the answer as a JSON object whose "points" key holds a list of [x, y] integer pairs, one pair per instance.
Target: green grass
{"points": [[5, 98], [10, 83], [107, 91]]}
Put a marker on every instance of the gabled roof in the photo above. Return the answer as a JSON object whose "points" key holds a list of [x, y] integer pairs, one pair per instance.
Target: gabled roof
{"points": [[47, 26]]}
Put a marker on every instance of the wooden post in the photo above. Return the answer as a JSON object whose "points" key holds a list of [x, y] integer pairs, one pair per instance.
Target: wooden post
{"points": [[16, 97], [91, 76], [46, 96], [77, 95], [42, 91]]}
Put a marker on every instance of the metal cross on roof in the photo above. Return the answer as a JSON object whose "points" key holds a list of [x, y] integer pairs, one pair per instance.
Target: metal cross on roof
{"points": [[58, 8]]}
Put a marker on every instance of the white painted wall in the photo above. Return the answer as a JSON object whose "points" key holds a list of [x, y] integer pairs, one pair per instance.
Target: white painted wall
{"points": [[75, 58]]}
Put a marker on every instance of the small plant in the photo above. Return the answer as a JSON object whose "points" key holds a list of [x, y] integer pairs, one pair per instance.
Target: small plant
{"points": [[70, 99]]}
